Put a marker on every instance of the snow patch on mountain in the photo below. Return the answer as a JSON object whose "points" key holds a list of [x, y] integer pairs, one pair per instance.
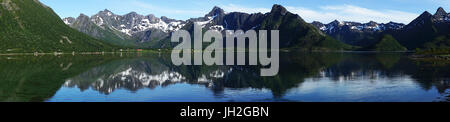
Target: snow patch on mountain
{"points": [[133, 23], [203, 23], [67, 22], [337, 26]]}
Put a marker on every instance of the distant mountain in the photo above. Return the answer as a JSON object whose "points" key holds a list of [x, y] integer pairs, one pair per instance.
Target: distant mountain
{"points": [[30, 26], [358, 34], [426, 31], [131, 29]]}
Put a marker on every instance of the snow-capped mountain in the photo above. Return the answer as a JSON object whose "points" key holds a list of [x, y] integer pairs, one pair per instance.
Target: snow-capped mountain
{"points": [[219, 20], [441, 15], [355, 33], [371, 26], [132, 23], [137, 27], [69, 20], [152, 29]]}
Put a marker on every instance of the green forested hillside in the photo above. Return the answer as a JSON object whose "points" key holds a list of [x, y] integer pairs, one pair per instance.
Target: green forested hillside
{"points": [[387, 43], [30, 26]]}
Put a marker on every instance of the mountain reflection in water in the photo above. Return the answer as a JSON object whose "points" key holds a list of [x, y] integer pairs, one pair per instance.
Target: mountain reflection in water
{"points": [[347, 77]]}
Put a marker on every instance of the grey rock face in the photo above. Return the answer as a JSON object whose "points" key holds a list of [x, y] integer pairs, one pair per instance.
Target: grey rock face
{"points": [[132, 25], [217, 19], [441, 16], [69, 20]]}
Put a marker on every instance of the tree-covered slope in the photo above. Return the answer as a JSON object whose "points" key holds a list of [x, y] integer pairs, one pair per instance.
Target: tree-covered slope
{"points": [[30, 26], [387, 43]]}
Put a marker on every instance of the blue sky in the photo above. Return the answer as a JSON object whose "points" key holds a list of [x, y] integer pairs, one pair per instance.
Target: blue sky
{"points": [[311, 10]]}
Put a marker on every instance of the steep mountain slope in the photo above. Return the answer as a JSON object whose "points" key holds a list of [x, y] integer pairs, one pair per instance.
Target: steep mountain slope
{"points": [[30, 26], [85, 25], [294, 31], [217, 19], [426, 31], [354, 33]]}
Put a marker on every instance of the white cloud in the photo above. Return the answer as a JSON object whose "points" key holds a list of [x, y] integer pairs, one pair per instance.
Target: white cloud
{"points": [[327, 14], [360, 14], [238, 8]]}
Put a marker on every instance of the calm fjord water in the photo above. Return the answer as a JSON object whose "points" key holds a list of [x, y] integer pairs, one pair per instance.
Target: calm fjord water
{"points": [[148, 77]]}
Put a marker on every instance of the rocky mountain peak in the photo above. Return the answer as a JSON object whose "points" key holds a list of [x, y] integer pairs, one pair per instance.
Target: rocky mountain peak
{"points": [[425, 14], [81, 20], [440, 12], [83, 16], [69, 20], [132, 17], [152, 18], [422, 19], [105, 12], [168, 20], [216, 11], [132, 14], [336, 23], [441, 15], [372, 23], [279, 9]]}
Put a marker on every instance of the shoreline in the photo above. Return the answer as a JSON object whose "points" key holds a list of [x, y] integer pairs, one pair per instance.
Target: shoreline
{"points": [[73, 53], [153, 51], [425, 57]]}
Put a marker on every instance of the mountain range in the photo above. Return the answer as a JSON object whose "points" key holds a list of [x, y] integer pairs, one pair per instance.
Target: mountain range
{"points": [[355, 33], [152, 32], [131, 29], [427, 31], [30, 26]]}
